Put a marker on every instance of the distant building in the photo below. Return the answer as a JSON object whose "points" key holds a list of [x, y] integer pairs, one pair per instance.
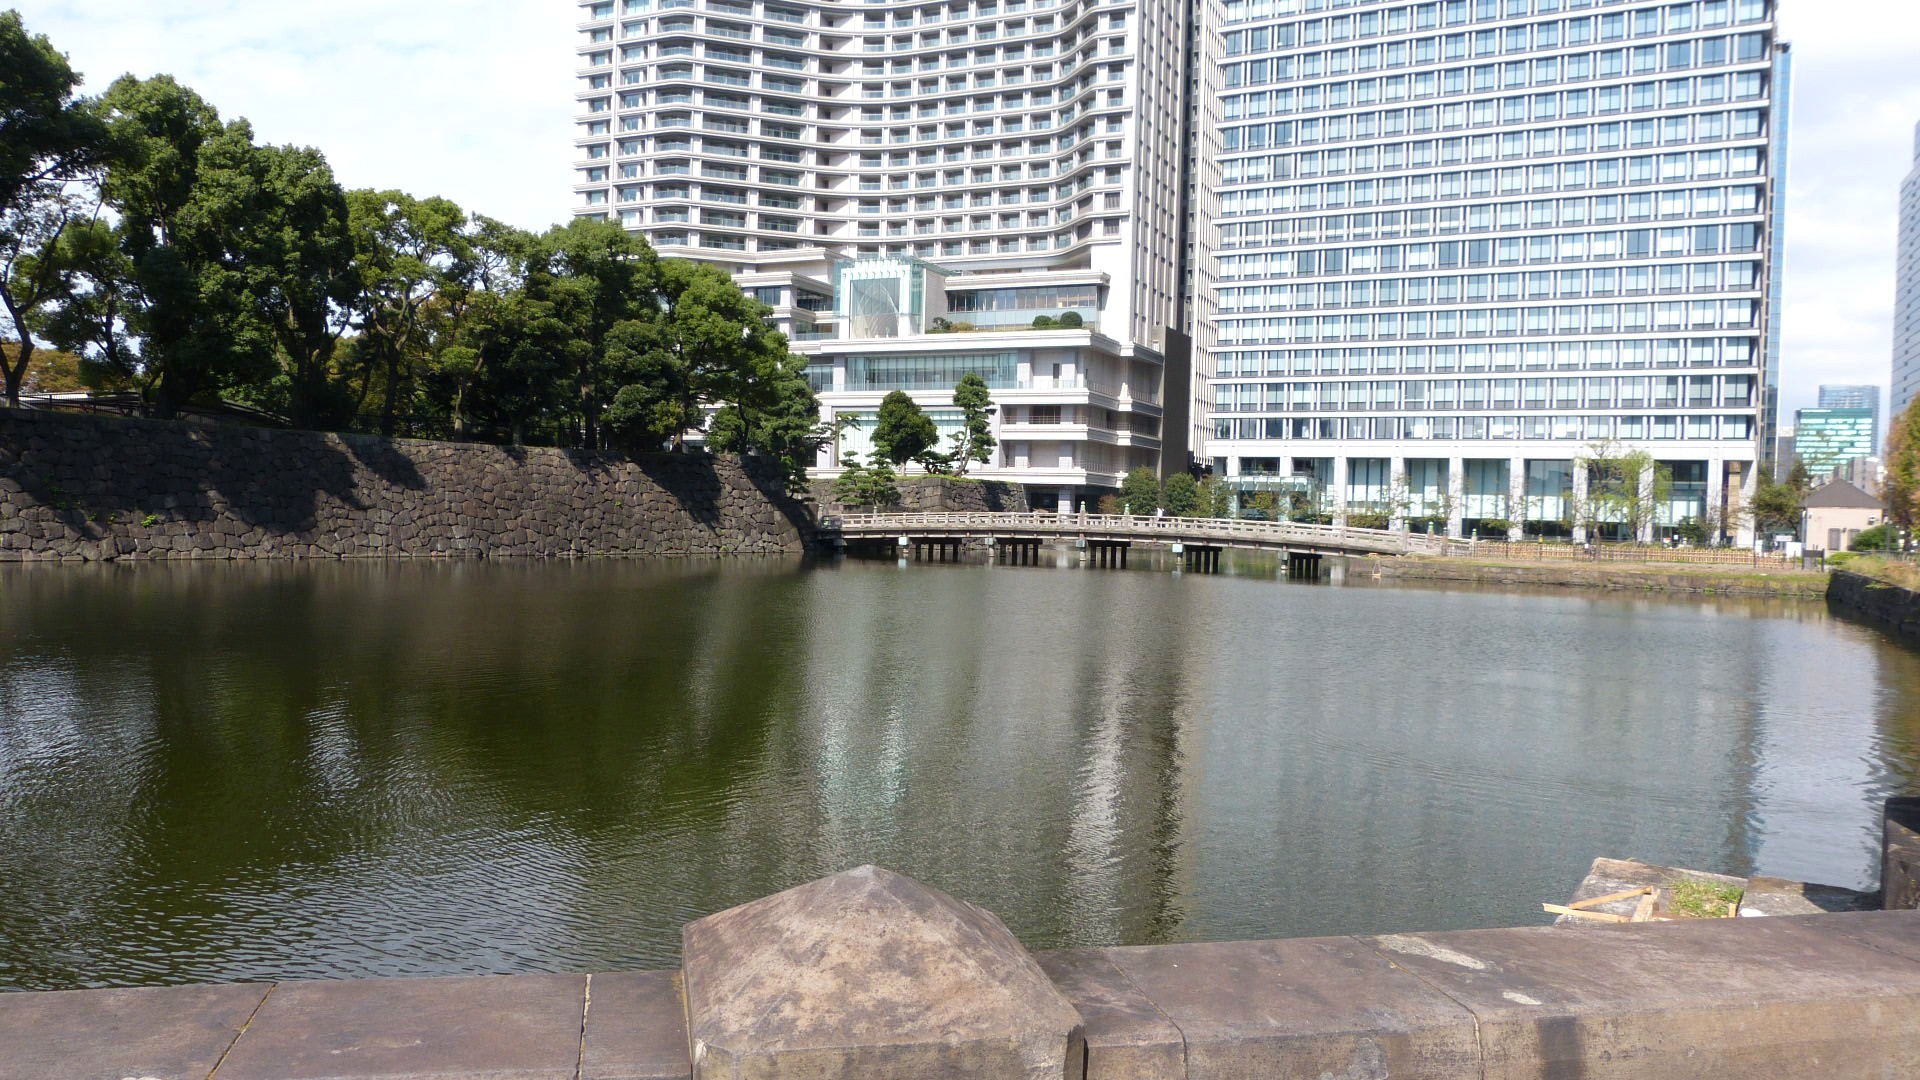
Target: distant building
{"points": [[1869, 474], [1462, 243], [1784, 446], [1828, 438], [1906, 290], [1837, 513], [1855, 397], [1021, 191]]}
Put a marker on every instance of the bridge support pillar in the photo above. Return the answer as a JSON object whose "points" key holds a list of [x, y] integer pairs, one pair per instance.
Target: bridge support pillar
{"points": [[1201, 559], [1303, 565]]}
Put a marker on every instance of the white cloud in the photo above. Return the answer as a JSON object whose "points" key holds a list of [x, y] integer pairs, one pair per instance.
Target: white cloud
{"points": [[473, 101]]}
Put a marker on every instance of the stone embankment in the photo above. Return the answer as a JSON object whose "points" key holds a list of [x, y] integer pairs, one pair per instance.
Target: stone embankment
{"points": [[1877, 603], [1714, 581], [84, 489], [937, 495], [874, 975]]}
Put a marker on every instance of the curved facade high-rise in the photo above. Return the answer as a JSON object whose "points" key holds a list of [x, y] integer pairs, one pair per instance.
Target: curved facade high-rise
{"points": [[1042, 156]]}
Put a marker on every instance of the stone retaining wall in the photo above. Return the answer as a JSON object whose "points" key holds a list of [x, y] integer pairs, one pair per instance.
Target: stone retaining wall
{"points": [[1869, 600], [84, 488], [1715, 582], [937, 495]]}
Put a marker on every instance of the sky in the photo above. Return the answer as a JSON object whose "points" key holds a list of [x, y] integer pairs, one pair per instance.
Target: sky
{"points": [[473, 101]]}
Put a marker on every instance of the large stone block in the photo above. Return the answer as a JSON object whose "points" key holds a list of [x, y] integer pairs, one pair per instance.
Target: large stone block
{"points": [[873, 975], [636, 1028], [170, 1033], [524, 1027], [1326, 1007], [1128, 1037], [1790, 996]]}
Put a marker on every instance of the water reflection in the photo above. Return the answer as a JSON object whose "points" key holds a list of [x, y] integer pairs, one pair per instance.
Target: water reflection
{"points": [[285, 771]]}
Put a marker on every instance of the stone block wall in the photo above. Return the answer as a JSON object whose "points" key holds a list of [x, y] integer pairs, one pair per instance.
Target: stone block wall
{"points": [[1889, 607], [77, 488], [939, 495]]}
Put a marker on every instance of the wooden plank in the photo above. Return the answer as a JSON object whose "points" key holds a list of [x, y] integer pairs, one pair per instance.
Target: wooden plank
{"points": [[1643, 911], [1596, 916], [1623, 894]]}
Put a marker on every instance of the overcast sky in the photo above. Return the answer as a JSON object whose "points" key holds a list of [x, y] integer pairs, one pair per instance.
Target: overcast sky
{"points": [[472, 100]]}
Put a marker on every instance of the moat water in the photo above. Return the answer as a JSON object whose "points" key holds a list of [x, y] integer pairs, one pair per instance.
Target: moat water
{"points": [[261, 772]]}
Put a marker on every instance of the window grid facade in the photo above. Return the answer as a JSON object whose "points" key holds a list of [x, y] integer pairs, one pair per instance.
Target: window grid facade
{"points": [[1038, 151], [1453, 229], [1906, 303]]}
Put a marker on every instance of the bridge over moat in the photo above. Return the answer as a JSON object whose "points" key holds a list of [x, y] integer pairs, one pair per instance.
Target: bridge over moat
{"points": [[1017, 537]]}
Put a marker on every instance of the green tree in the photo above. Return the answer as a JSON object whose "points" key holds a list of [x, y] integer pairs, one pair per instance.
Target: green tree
{"points": [[1903, 467], [300, 266], [1216, 498], [868, 485], [596, 276], [902, 431], [777, 417], [1140, 491], [1877, 538], [177, 295], [49, 141], [714, 349], [1775, 506], [414, 266], [1181, 495], [974, 441], [1624, 487]]}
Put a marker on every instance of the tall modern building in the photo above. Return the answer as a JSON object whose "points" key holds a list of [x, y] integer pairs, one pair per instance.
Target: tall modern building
{"points": [[1826, 439], [1906, 291], [1466, 244], [915, 185], [1855, 397]]}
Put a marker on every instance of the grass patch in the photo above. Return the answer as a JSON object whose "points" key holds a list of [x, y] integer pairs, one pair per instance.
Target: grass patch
{"points": [[1696, 898], [1904, 574]]}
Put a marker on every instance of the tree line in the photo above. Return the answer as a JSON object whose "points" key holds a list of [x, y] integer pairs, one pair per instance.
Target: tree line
{"points": [[177, 257]]}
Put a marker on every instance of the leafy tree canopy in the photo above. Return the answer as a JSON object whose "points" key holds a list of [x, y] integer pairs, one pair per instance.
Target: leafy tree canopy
{"points": [[1140, 491]]}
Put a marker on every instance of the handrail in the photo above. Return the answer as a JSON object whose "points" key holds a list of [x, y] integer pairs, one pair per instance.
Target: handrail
{"points": [[1170, 529]]}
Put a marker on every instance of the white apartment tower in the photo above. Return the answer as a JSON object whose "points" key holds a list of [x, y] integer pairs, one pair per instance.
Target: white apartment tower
{"points": [[1906, 292], [911, 183], [1465, 242]]}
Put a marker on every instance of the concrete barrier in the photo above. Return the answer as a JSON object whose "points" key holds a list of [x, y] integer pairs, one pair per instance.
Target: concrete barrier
{"points": [[872, 975]]}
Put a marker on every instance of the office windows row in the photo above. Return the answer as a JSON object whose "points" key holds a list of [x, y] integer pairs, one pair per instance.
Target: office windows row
{"points": [[1598, 355]]}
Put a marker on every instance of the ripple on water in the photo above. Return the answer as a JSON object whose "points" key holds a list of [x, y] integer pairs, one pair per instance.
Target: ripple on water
{"points": [[357, 771]]}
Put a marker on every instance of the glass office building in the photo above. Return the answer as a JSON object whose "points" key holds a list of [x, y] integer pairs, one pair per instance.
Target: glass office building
{"points": [[1828, 438], [1466, 245], [1855, 397]]}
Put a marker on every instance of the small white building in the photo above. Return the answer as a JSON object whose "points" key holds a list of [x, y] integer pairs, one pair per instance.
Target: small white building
{"points": [[1837, 512]]}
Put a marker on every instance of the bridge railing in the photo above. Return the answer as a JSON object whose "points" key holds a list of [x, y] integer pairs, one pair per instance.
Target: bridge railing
{"points": [[1129, 526]]}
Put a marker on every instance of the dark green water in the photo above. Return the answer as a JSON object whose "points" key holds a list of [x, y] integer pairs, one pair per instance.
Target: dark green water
{"points": [[247, 772]]}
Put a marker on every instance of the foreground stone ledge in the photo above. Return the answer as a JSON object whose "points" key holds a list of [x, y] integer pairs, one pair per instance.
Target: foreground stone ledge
{"points": [[1832, 996], [1798, 996], [525, 1028], [167, 1033], [1309, 1008], [636, 1028]]}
